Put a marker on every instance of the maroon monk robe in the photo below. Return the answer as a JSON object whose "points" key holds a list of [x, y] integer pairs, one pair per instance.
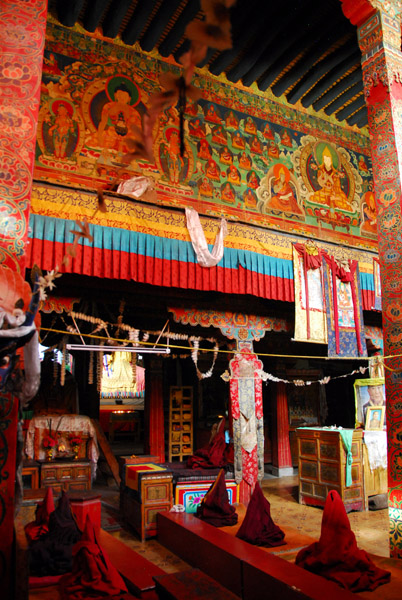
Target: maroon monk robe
{"points": [[258, 527], [36, 528], [213, 454], [93, 575], [215, 507], [336, 555]]}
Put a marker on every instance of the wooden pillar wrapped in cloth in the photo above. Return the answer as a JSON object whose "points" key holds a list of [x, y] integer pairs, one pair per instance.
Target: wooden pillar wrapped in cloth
{"points": [[379, 37], [154, 418], [248, 426]]}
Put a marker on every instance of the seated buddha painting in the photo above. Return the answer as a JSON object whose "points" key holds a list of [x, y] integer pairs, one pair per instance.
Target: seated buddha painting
{"points": [[328, 176]]}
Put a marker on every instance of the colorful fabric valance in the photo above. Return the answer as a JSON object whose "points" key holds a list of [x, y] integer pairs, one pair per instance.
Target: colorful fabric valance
{"points": [[122, 254], [118, 253]]}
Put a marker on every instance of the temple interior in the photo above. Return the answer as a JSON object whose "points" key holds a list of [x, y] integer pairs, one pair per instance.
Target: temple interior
{"points": [[200, 299]]}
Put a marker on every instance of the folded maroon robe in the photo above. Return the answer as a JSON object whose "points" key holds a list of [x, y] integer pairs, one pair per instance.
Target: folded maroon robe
{"points": [[213, 455], [215, 507], [51, 554], [93, 575], [336, 555], [258, 527], [35, 529]]}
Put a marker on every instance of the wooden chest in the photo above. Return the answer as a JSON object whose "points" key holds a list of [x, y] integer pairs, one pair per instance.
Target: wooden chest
{"points": [[322, 467], [66, 475], [140, 507]]}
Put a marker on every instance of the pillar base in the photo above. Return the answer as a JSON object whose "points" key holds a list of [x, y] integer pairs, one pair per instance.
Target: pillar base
{"points": [[281, 471]]}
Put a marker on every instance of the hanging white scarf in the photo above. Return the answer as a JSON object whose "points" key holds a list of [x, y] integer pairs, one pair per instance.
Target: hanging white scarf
{"points": [[205, 258]]}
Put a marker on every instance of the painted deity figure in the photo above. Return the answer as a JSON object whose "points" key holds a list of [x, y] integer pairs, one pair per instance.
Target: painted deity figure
{"points": [[62, 130], [250, 126], [212, 114], [226, 157], [369, 214], [238, 141], [206, 188], [330, 192], [204, 150], [227, 193], [267, 132], [231, 120], [117, 118], [219, 136], [244, 161], [233, 175], [212, 170], [256, 145], [252, 180], [286, 139], [283, 197]]}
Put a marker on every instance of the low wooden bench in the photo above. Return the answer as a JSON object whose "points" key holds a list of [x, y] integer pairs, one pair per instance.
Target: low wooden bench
{"points": [[244, 569], [137, 572], [191, 585]]}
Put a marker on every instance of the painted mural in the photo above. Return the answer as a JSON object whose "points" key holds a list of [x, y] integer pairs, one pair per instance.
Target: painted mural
{"points": [[244, 156]]}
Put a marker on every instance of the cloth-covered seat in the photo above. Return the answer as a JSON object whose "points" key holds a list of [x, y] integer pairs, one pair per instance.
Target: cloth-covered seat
{"points": [[93, 574], [215, 507], [51, 554], [40, 526], [258, 527], [336, 556]]}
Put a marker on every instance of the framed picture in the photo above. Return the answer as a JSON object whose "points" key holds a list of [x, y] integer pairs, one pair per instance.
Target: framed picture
{"points": [[368, 393], [375, 418]]}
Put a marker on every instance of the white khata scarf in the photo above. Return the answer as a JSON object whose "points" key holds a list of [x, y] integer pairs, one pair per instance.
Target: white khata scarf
{"points": [[205, 258]]}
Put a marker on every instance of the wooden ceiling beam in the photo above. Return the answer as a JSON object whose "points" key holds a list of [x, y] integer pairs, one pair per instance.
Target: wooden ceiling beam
{"points": [[343, 98], [177, 32], [359, 118], [262, 35], [68, 12], [114, 18], [93, 14], [338, 88], [320, 71], [288, 47], [138, 20], [241, 35], [351, 108], [158, 24], [328, 36]]}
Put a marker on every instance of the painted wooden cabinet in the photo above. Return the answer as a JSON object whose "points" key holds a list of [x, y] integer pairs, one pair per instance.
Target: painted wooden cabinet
{"points": [[181, 434], [322, 467], [140, 507], [66, 475]]}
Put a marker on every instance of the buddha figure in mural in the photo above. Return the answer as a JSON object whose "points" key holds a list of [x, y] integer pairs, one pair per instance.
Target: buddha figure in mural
{"points": [[250, 126], [118, 117], [227, 193], [226, 157], [286, 139], [244, 161], [249, 199], [329, 177], [238, 141], [282, 193], [369, 214], [233, 175], [256, 146], [219, 136], [231, 120], [252, 180], [267, 132], [204, 150], [205, 188], [212, 114], [212, 170]]}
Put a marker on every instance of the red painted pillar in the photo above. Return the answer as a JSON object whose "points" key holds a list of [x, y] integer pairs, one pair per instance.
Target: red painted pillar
{"points": [[379, 36], [154, 416], [281, 456], [8, 443], [22, 37]]}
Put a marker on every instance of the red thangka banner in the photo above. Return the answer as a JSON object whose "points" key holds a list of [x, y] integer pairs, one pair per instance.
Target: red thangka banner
{"points": [[22, 38]]}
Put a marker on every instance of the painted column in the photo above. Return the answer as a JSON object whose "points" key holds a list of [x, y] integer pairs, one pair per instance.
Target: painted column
{"points": [[281, 456], [154, 416], [379, 36], [22, 37]]}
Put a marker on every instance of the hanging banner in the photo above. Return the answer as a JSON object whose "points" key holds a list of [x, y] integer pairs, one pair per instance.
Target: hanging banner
{"points": [[345, 325], [310, 305]]}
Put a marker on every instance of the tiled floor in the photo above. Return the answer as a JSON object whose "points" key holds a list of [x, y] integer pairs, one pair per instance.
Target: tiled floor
{"points": [[370, 528]]}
